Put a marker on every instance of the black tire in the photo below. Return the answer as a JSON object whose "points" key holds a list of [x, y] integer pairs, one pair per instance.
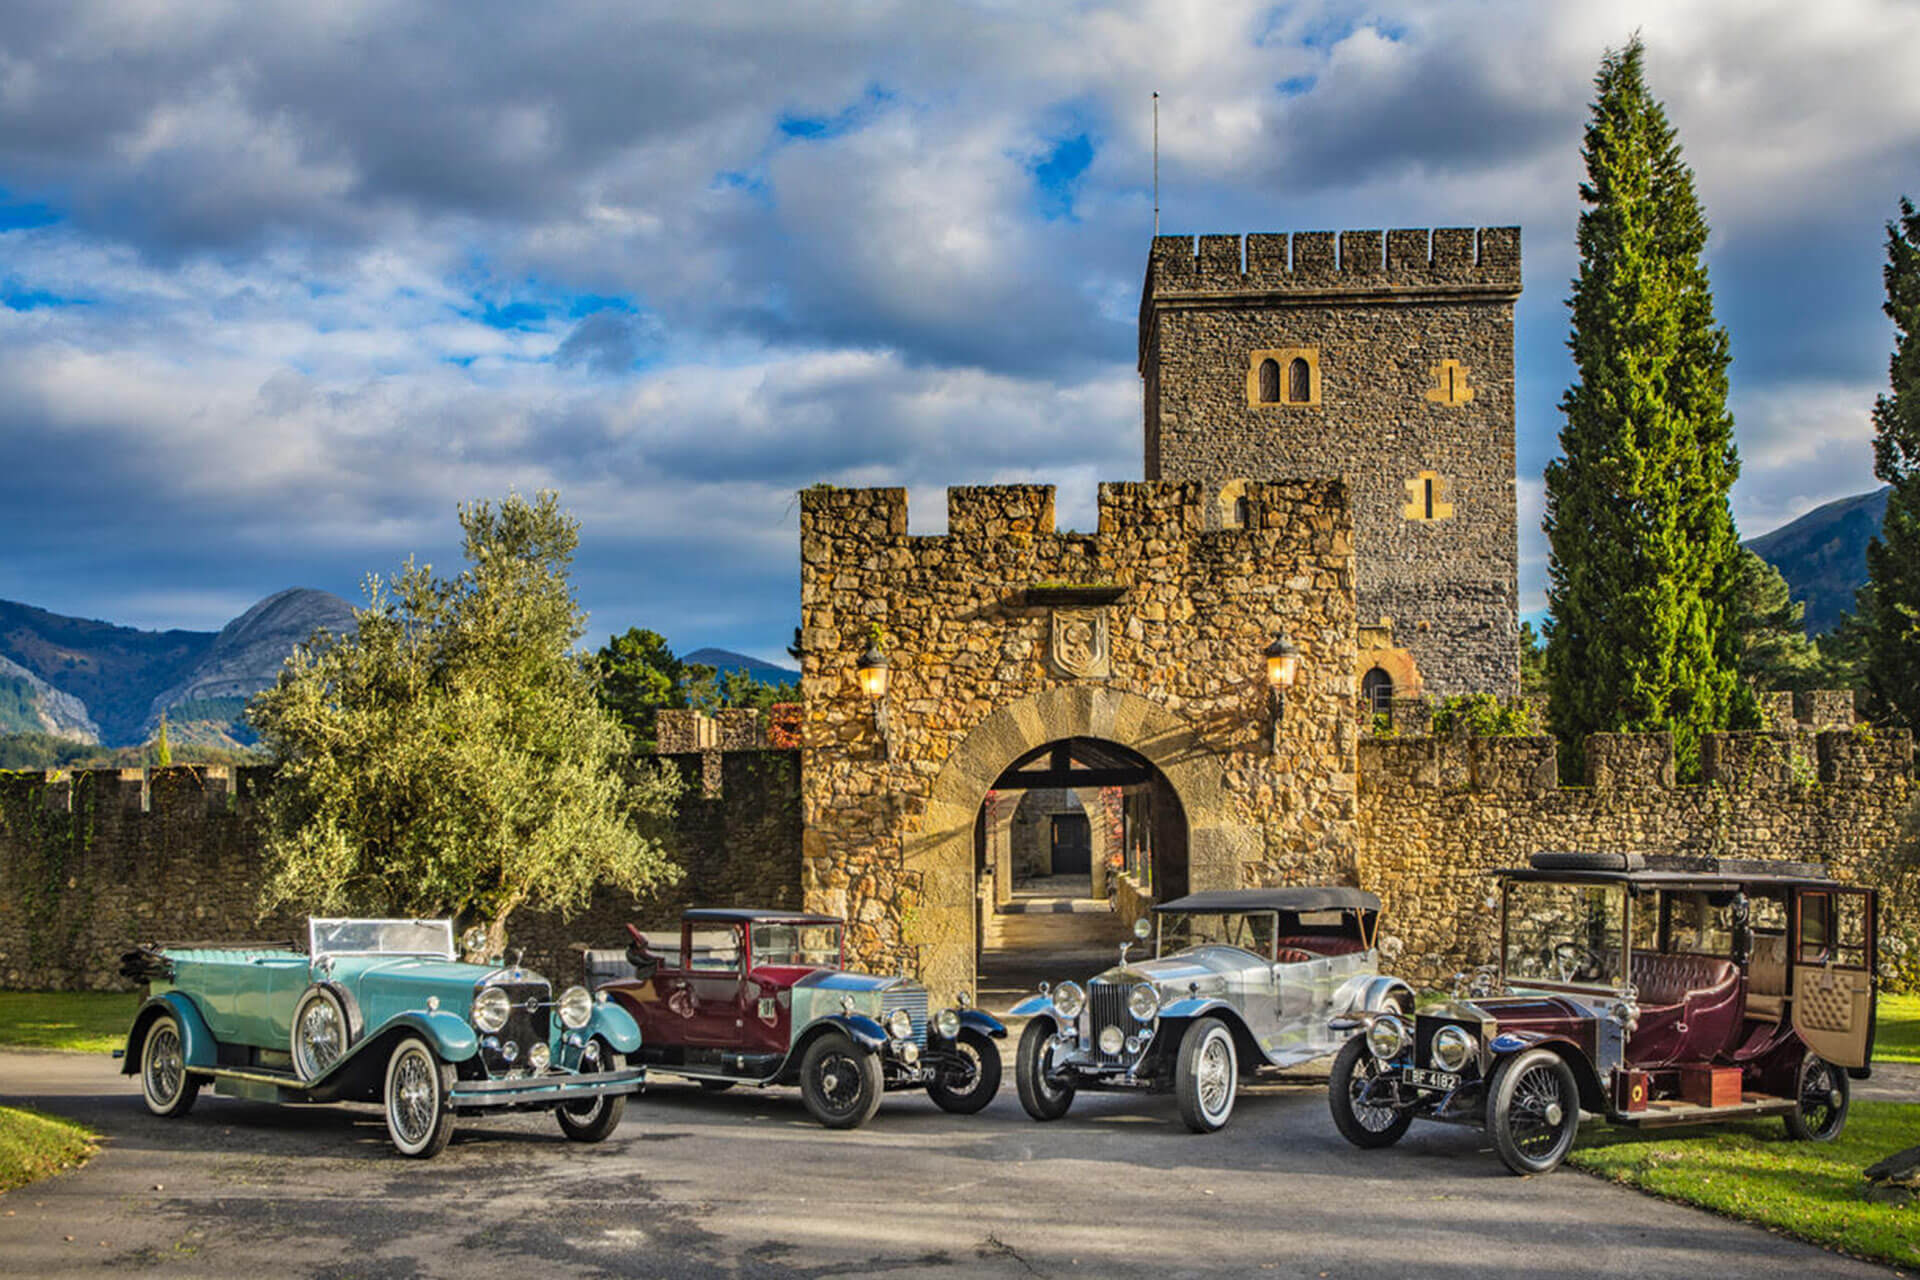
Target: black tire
{"points": [[716, 1086], [165, 1082], [1043, 1101], [591, 1120], [1566, 861], [321, 1033], [414, 1099], [1366, 1125], [969, 1085], [840, 1082], [1822, 1096], [1533, 1111], [1206, 1075]]}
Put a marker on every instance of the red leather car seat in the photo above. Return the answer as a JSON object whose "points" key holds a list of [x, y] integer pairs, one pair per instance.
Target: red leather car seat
{"points": [[1689, 1008], [1320, 944]]}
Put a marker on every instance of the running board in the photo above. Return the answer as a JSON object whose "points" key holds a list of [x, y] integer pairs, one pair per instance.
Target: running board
{"points": [[1665, 1113]]}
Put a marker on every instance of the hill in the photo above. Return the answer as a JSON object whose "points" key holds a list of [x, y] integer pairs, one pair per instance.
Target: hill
{"points": [[724, 660], [76, 677], [1823, 555]]}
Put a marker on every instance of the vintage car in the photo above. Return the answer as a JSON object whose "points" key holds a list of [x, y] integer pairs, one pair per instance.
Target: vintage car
{"points": [[1241, 979], [1649, 990], [376, 1011], [743, 996]]}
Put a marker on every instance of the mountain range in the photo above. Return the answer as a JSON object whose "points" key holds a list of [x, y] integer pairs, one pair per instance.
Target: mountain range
{"points": [[1823, 555], [725, 660], [93, 681]]}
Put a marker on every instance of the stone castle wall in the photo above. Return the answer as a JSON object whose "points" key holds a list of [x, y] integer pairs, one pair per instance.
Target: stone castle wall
{"points": [[1381, 316], [1164, 625], [97, 860], [1437, 814]]}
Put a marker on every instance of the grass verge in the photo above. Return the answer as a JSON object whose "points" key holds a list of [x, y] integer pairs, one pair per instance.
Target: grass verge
{"points": [[35, 1146], [1812, 1190], [1896, 1029], [87, 1021]]}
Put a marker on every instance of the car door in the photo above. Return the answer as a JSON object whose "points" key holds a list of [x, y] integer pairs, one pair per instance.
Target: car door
{"points": [[1832, 956], [713, 971]]}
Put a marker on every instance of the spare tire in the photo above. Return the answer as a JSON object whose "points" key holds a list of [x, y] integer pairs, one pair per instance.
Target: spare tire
{"points": [[1568, 861]]}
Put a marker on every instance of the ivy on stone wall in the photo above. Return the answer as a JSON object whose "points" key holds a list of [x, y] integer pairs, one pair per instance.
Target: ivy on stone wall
{"points": [[50, 885]]}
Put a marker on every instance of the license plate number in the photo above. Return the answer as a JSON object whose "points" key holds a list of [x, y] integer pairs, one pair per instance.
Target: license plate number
{"points": [[1421, 1078]]}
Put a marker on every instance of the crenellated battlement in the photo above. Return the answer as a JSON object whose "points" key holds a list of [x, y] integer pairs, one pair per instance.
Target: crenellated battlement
{"points": [[1759, 762], [1322, 263], [836, 523]]}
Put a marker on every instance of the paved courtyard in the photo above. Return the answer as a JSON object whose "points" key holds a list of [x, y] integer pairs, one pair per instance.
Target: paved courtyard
{"points": [[744, 1184]]}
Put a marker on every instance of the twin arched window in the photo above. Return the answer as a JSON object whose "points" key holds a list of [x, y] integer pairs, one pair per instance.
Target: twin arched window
{"points": [[1286, 376]]}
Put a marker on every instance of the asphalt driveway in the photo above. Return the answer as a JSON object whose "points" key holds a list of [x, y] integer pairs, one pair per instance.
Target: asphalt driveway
{"points": [[744, 1184]]}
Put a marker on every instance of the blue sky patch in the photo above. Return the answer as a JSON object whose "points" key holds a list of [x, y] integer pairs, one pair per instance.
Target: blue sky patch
{"points": [[25, 215], [1297, 86], [815, 128], [1055, 176], [16, 299]]}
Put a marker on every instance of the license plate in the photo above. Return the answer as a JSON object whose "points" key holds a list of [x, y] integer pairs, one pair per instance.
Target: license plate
{"points": [[1421, 1078]]}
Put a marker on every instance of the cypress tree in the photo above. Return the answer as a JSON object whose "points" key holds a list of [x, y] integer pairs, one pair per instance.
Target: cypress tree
{"points": [[1643, 550], [1889, 605]]}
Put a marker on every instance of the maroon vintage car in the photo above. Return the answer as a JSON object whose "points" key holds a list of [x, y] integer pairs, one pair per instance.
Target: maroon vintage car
{"points": [[738, 995], [1652, 991]]}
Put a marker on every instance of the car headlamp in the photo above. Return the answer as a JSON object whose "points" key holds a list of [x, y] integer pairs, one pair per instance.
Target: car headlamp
{"points": [[1112, 1040], [947, 1023], [491, 1009], [576, 1008], [1143, 1002], [1068, 1000], [909, 1051], [1452, 1048], [1386, 1036], [900, 1024], [538, 1056]]}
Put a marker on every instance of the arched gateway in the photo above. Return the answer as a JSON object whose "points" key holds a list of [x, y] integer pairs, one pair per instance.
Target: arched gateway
{"points": [[1003, 636]]}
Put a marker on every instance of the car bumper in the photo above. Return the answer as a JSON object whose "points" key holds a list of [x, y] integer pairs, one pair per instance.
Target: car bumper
{"points": [[545, 1091]]}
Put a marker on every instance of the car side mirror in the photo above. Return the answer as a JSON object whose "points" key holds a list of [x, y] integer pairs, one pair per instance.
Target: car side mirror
{"points": [[1142, 928]]}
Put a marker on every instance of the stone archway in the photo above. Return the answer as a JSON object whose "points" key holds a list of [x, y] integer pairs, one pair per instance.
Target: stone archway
{"points": [[941, 851]]}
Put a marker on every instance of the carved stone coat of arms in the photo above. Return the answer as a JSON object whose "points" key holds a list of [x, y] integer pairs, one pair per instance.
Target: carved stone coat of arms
{"points": [[1080, 642]]}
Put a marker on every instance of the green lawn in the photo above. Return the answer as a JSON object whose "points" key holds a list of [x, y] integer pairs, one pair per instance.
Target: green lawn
{"points": [[1896, 1029], [89, 1021], [1754, 1171], [35, 1146]]}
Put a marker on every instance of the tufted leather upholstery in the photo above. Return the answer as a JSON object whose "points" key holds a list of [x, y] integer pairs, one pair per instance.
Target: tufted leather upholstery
{"points": [[1690, 1008], [1320, 944], [1292, 955]]}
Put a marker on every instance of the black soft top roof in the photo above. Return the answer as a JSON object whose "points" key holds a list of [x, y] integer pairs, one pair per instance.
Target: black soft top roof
{"points": [[1294, 898], [747, 915]]}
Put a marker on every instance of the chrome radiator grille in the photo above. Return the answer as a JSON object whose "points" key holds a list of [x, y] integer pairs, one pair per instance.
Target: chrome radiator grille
{"points": [[1107, 1007], [523, 1028], [911, 998]]}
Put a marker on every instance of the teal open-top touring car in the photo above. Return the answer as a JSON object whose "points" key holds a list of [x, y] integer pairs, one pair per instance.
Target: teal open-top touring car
{"points": [[376, 1011]]}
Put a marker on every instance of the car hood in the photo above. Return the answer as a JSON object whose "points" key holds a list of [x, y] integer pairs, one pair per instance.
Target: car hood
{"points": [[1519, 1012], [420, 976], [1182, 969], [842, 980]]}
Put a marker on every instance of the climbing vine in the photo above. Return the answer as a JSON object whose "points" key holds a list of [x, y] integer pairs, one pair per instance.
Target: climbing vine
{"points": [[50, 883]]}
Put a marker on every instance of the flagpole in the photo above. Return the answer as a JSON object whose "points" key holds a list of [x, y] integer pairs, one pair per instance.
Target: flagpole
{"points": [[1156, 163]]}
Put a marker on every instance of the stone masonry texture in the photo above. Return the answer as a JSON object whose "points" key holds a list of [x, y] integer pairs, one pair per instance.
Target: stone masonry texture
{"points": [[1382, 312]]}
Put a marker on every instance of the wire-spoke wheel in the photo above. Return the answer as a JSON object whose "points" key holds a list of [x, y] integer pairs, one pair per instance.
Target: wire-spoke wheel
{"points": [[320, 1033], [165, 1082], [1041, 1097], [418, 1119], [1533, 1111], [592, 1119], [1356, 1095], [840, 1082], [1206, 1075], [969, 1083], [1822, 1095]]}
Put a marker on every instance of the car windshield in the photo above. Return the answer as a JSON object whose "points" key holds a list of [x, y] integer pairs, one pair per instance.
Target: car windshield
{"points": [[1249, 930], [1569, 934], [381, 937], [813, 946]]}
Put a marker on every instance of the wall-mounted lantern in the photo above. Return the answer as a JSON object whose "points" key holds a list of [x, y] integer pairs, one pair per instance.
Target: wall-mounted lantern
{"points": [[1283, 666], [874, 673]]}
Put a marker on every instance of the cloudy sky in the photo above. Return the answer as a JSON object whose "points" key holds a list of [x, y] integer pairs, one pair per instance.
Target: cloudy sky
{"points": [[281, 283]]}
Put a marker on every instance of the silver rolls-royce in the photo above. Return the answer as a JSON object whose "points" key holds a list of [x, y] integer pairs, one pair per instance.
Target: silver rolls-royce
{"points": [[1239, 979]]}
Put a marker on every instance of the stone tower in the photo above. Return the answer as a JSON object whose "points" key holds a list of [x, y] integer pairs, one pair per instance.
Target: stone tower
{"points": [[1390, 364]]}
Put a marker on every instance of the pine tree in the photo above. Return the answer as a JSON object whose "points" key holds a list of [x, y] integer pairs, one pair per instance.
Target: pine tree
{"points": [[1888, 607], [1644, 553]]}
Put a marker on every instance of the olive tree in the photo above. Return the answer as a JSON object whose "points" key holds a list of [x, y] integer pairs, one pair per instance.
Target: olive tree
{"points": [[450, 755]]}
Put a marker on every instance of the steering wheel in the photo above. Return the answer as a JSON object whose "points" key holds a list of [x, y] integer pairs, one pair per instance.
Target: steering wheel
{"points": [[1570, 958]]}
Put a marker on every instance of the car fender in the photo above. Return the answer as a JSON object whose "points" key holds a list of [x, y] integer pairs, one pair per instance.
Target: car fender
{"points": [[985, 1023], [448, 1034], [862, 1030], [195, 1040], [1188, 1007], [1593, 1097], [1370, 993], [1030, 1006], [614, 1025]]}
